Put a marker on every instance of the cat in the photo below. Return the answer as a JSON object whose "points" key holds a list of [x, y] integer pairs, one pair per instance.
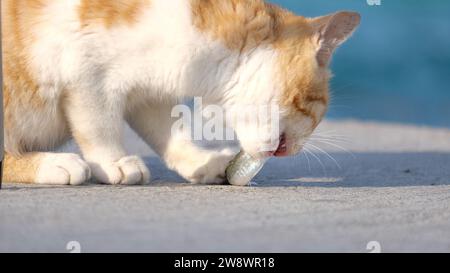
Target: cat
{"points": [[83, 69]]}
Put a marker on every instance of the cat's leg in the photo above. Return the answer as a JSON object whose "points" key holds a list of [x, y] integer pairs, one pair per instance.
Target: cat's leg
{"points": [[97, 124], [197, 165], [46, 168], [31, 130]]}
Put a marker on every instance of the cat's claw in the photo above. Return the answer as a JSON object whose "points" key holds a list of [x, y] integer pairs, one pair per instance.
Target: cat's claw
{"points": [[129, 170]]}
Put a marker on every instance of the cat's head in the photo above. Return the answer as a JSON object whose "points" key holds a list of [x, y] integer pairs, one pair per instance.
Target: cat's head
{"points": [[296, 81]]}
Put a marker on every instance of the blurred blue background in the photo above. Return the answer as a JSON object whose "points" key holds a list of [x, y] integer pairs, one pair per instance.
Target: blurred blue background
{"points": [[396, 67]]}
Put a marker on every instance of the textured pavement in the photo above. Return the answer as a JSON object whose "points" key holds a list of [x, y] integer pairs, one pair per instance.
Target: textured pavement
{"points": [[392, 186]]}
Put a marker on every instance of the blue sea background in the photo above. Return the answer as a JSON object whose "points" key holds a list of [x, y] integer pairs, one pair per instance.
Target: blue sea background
{"points": [[396, 68]]}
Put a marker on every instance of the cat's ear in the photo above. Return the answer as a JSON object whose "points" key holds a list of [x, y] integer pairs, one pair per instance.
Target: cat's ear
{"points": [[333, 30]]}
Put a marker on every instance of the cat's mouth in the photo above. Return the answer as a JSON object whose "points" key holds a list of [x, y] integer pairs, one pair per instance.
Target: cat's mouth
{"points": [[282, 150]]}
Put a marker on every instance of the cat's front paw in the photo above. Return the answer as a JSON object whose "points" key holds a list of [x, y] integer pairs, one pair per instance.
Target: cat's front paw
{"points": [[62, 169], [130, 170], [213, 171]]}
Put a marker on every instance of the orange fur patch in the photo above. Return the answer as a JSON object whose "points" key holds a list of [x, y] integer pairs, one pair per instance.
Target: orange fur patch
{"points": [[18, 17], [243, 25], [20, 89], [21, 169], [240, 24], [110, 13], [305, 83]]}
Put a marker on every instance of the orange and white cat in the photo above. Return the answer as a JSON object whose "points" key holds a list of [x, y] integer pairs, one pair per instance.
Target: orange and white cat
{"points": [[85, 68]]}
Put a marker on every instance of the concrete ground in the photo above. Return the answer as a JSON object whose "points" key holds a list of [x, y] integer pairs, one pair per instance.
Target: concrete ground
{"points": [[392, 186]]}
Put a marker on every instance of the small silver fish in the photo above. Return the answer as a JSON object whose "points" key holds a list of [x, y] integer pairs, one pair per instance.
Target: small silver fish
{"points": [[243, 168]]}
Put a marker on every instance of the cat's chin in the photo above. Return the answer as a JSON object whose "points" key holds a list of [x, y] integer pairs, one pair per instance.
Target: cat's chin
{"points": [[281, 154], [282, 150]]}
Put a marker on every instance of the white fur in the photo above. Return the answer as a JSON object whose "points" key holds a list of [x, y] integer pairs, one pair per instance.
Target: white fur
{"points": [[62, 169], [137, 73], [129, 170]]}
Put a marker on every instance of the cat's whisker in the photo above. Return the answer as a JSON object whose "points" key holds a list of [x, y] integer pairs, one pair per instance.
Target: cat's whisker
{"points": [[330, 140], [328, 133], [333, 140], [338, 147], [339, 106], [307, 158], [337, 90], [325, 153], [330, 137], [331, 132], [317, 158]]}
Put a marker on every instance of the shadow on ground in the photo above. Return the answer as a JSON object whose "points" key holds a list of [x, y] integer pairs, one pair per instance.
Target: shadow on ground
{"points": [[296, 207], [343, 170], [335, 170], [359, 170]]}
